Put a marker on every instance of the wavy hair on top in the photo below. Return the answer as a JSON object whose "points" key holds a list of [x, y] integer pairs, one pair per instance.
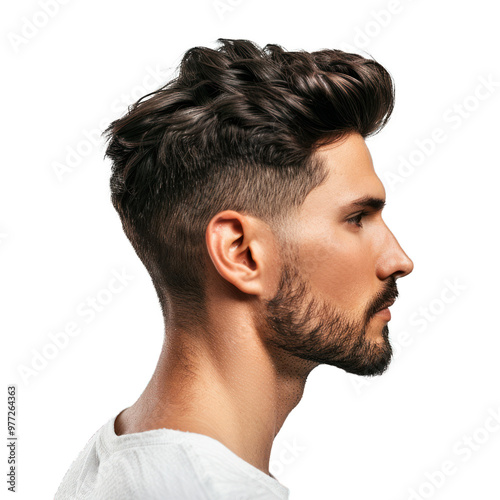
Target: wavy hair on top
{"points": [[236, 129]]}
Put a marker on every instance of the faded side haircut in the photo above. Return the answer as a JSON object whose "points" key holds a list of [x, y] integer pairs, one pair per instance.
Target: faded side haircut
{"points": [[236, 129]]}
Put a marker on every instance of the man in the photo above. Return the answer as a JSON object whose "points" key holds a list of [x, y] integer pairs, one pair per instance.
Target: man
{"points": [[248, 192]]}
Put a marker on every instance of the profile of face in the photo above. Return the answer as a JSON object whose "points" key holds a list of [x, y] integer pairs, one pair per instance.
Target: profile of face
{"points": [[338, 270]]}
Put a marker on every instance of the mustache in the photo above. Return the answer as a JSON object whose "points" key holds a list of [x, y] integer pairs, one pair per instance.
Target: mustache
{"points": [[388, 294]]}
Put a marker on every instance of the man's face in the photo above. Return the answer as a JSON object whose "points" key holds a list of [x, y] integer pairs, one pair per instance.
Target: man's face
{"points": [[339, 268]]}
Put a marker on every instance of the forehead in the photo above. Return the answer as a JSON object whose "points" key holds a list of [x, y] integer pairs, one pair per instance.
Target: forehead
{"points": [[350, 174]]}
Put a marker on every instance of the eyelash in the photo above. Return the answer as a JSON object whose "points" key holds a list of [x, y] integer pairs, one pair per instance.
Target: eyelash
{"points": [[356, 219]]}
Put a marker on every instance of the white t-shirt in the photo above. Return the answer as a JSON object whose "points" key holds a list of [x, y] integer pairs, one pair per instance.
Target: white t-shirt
{"points": [[164, 464]]}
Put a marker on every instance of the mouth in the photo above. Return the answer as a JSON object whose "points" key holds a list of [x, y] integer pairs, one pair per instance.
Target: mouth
{"points": [[386, 306], [384, 313]]}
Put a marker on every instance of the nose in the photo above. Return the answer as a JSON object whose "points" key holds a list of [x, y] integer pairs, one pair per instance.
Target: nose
{"points": [[394, 261]]}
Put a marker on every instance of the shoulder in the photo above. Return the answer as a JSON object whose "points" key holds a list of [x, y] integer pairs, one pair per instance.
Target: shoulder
{"points": [[161, 471], [153, 472], [180, 471]]}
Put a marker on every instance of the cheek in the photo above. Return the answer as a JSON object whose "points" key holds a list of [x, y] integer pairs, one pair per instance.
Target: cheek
{"points": [[339, 268]]}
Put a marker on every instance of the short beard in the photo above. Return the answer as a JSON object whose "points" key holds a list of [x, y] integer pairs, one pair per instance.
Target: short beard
{"points": [[315, 331]]}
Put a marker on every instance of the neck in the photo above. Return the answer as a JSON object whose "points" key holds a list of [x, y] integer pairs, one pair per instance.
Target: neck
{"points": [[224, 384]]}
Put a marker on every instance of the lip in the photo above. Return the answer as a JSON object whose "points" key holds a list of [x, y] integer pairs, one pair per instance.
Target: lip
{"points": [[384, 313], [387, 304]]}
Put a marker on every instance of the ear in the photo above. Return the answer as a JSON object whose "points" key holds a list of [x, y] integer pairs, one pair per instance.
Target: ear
{"points": [[237, 244]]}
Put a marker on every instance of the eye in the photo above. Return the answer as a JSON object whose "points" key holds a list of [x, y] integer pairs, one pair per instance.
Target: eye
{"points": [[356, 219]]}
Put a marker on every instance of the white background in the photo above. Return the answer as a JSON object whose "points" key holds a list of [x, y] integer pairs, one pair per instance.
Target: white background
{"points": [[61, 240]]}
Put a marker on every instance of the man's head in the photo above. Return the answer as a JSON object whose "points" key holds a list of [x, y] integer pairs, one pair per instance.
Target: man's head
{"points": [[239, 173]]}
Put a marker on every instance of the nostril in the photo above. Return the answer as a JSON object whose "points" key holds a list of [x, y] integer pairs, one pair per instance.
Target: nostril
{"points": [[400, 274]]}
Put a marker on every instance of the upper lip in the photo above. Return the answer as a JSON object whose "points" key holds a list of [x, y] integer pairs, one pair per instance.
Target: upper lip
{"points": [[387, 304]]}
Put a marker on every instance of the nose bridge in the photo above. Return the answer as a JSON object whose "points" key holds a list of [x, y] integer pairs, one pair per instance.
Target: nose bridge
{"points": [[394, 258]]}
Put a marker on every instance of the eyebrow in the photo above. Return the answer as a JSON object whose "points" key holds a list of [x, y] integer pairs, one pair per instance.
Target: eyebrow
{"points": [[366, 202]]}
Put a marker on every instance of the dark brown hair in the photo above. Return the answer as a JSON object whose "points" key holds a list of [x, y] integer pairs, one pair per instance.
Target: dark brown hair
{"points": [[237, 129]]}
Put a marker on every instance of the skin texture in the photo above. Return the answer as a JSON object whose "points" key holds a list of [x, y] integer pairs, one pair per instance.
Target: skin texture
{"points": [[276, 312]]}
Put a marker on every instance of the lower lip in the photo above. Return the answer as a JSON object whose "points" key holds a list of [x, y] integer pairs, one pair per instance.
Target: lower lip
{"points": [[384, 314]]}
